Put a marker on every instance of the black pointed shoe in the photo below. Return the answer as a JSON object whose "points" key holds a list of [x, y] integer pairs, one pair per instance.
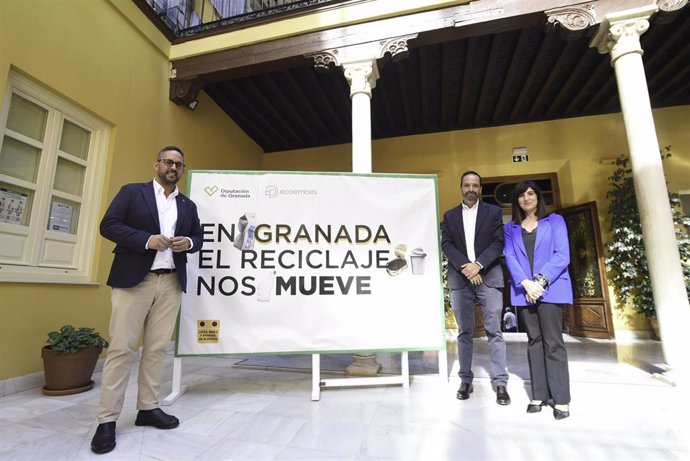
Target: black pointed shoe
{"points": [[104, 439], [464, 391], [535, 408], [156, 418], [502, 397], [561, 414]]}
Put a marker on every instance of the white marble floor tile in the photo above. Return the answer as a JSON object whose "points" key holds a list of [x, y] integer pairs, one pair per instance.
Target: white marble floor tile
{"points": [[245, 403], [260, 428], [306, 454], [75, 419], [246, 413], [58, 447], [334, 436], [241, 451], [30, 408], [14, 436], [173, 445]]}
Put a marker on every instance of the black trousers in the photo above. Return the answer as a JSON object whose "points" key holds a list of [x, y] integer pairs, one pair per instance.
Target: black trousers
{"points": [[548, 358]]}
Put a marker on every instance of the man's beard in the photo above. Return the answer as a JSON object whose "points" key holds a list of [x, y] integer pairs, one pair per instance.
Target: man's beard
{"points": [[165, 180]]}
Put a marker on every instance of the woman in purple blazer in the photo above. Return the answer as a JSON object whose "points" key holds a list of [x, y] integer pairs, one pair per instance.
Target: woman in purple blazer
{"points": [[537, 255]]}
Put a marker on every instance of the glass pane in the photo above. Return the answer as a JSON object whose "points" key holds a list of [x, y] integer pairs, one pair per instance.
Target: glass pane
{"points": [[64, 215], [19, 160], [15, 204], [27, 118], [69, 177], [75, 140]]}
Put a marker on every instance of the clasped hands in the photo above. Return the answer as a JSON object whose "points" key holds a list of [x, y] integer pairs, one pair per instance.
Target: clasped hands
{"points": [[161, 243], [533, 290], [471, 271]]}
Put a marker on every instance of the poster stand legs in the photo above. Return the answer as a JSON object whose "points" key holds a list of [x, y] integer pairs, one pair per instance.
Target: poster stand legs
{"points": [[404, 378], [177, 388], [317, 383]]}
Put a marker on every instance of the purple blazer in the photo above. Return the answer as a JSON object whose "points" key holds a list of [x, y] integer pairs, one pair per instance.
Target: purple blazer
{"points": [[551, 259]]}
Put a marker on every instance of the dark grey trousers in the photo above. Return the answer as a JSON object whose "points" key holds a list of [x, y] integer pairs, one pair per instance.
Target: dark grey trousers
{"points": [[548, 358], [490, 300]]}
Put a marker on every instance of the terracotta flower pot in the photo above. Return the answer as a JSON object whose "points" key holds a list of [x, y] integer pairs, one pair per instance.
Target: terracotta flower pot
{"points": [[69, 373]]}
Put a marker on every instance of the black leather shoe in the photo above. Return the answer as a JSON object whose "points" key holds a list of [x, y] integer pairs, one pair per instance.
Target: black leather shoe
{"points": [[502, 397], [535, 408], [104, 439], [464, 391], [560, 414], [156, 418]]}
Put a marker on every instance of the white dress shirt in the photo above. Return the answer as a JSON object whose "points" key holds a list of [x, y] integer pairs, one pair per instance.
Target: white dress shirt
{"points": [[167, 217], [469, 223]]}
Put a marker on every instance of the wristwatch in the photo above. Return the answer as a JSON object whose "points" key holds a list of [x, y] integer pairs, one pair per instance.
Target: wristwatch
{"points": [[541, 280]]}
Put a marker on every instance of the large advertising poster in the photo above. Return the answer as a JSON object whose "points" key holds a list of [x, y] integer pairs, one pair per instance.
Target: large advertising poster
{"points": [[313, 263]]}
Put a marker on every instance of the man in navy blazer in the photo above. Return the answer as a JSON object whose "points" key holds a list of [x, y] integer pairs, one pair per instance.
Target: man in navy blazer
{"points": [[153, 226], [472, 236]]}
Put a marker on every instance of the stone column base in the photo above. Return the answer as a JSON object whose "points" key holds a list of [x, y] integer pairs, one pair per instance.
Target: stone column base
{"points": [[363, 365]]}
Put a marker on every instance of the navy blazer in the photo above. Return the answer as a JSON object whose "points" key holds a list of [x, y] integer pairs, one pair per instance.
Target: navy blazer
{"points": [[488, 244], [131, 219], [551, 259]]}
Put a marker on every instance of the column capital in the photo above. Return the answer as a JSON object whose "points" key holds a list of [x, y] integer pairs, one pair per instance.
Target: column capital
{"points": [[619, 33], [572, 20], [361, 76], [395, 46]]}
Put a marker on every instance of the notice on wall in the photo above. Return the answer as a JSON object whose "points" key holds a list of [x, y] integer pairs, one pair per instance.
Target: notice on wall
{"points": [[60, 217], [313, 263], [12, 206]]}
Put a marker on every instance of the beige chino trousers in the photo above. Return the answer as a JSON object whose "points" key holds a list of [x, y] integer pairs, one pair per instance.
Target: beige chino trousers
{"points": [[150, 307]]}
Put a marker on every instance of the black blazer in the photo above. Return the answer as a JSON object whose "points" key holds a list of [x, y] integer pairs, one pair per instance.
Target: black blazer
{"points": [[488, 245], [131, 219]]}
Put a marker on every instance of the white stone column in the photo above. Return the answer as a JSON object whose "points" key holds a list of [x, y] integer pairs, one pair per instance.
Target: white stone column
{"points": [[361, 71], [362, 78], [619, 35]]}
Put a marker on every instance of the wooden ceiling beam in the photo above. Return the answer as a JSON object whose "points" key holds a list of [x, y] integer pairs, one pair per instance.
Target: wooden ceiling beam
{"points": [[296, 89], [502, 50], [559, 73], [523, 57]]}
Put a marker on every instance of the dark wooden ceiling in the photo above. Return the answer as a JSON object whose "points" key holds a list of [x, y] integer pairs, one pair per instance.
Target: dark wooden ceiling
{"points": [[516, 76]]}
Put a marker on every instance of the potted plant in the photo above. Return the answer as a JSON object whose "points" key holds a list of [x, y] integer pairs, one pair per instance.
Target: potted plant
{"points": [[626, 260], [70, 358]]}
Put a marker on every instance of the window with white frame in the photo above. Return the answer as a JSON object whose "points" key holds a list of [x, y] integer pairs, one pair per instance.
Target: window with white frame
{"points": [[52, 156]]}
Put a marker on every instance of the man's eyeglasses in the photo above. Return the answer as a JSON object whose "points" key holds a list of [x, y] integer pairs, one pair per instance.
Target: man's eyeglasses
{"points": [[167, 162]]}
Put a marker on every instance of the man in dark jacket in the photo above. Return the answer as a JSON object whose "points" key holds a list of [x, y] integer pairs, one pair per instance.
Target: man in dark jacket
{"points": [[473, 243], [153, 226]]}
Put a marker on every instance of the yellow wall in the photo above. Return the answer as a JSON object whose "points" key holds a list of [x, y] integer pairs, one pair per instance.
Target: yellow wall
{"points": [[578, 149], [90, 53]]}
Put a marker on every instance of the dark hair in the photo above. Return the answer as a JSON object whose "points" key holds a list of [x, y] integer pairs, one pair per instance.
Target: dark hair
{"points": [[167, 148], [518, 190], [468, 173]]}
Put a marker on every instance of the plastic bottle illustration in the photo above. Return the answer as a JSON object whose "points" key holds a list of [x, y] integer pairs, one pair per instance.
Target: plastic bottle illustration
{"points": [[265, 288]]}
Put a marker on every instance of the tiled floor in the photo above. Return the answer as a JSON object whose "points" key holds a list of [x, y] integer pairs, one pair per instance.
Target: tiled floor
{"points": [[243, 409]]}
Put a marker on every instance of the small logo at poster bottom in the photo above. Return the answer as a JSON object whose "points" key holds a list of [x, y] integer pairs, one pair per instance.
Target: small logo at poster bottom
{"points": [[207, 331]]}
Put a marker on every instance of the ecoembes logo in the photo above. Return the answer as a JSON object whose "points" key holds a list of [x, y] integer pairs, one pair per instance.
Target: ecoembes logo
{"points": [[273, 192]]}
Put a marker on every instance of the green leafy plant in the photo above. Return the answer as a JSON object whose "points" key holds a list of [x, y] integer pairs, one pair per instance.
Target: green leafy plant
{"points": [[448, 310], [70, 339], [626, 260]]}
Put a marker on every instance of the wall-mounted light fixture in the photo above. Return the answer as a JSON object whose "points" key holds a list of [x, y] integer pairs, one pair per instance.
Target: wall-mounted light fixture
{"points": [[192, 105]]}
